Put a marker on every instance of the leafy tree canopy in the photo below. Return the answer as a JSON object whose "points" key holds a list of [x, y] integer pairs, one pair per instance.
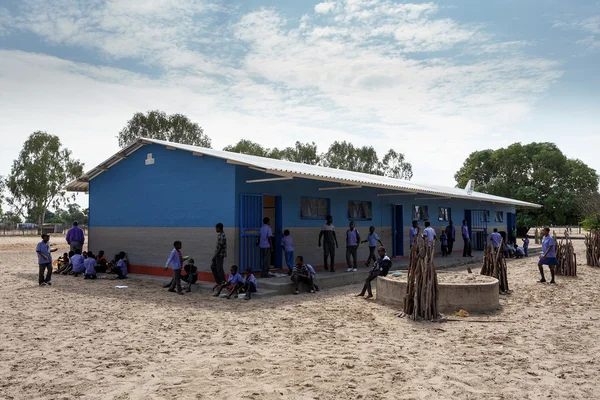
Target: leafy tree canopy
{"points": [[38, 176], [158, 125], [592, 223], [537, 173]]}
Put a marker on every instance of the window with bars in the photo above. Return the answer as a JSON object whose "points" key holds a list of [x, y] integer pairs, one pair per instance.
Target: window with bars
{"points": [[359, 210], [420, 213], [314, 208], [499, 216], [444, 214]]}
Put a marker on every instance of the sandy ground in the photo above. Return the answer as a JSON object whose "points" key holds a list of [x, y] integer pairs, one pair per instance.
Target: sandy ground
{"points": [[86, 339]]}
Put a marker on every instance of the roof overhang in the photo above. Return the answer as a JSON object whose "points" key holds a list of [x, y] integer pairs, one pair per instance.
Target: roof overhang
{"points": [[258, 163]]}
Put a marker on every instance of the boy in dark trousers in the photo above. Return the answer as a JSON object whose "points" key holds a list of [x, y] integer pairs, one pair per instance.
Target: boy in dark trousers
{"points": [[44, 260], [444, 242], [373, 239], [300, 274], [352, 243], [250, 285], [288, 249], [175, 261], [234, 283], [380, 268], [330, 242], [219, 256]]}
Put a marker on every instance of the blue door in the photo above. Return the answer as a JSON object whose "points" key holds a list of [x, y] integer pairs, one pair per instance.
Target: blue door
{"points": [[397, 230], [511, 224], [477, 221], [278, 232], [251, 214]]}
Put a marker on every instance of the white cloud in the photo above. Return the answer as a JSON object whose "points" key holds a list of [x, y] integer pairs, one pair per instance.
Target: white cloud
{"points": [[589, 26], [374, 72], [324, 8]]}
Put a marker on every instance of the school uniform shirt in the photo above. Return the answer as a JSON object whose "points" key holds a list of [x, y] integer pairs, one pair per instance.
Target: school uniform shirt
{"points": [[547, 242], [526, 243], [78, 263], [496, 238], [221, 249], [122, 265], [43, 249], [286, 242], [465, 231], [235, 279], [328, 232], [429, 233], [265, 234], [173, 261], [251, 279], [311, 270], [90, 266], [412, 233], [444, 239], [373, 238], [352, 237], [520, 251]]}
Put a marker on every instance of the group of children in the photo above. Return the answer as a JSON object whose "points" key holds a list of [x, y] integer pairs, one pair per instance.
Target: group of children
{"points": [[89, 265], [510, 250]]}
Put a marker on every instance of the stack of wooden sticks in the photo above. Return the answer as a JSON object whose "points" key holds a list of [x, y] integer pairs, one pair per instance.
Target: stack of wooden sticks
{"points": [[565, 254], [421, 299], [592, 249], [494, 265]]}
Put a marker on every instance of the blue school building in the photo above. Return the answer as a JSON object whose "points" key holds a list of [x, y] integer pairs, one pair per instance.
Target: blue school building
{"points": [[153, 192]]}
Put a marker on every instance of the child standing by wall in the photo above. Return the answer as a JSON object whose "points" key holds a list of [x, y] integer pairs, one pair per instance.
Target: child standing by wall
{"points": [[288, 249], [373, 239], [352, 242], [444, 241], [526, 245]]}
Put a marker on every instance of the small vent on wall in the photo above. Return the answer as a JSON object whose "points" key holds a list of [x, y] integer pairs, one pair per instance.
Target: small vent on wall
{"points": [[149, 159]]}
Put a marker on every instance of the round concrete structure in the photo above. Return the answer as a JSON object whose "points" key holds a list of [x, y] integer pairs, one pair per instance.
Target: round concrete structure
{"points": [[473, 293]]}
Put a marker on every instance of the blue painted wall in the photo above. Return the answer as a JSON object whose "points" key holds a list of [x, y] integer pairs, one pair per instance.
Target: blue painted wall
{"points": [[292, 191], [178, 190]]}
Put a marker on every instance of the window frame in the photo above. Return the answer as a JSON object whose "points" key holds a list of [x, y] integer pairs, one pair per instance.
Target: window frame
{"points": [[501, 220], [448, 214], [314, 215], [361, 206], [420, 216]]}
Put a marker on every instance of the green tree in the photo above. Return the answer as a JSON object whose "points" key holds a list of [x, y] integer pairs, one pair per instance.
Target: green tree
{"points": [[10, 219], [158, 125], [538, 173], [249, 147], [344, 155], [305, 153], [394, 165], [38, 177], [591, 223], [2, 188]]}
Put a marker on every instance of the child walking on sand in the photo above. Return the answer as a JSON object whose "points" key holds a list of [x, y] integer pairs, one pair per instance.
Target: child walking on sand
{"points": [[373, 239], [288, 249], [175, 261], [548, 256]]}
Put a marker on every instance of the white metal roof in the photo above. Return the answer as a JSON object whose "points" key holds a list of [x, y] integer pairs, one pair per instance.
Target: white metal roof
{"points": [[297, 170]]}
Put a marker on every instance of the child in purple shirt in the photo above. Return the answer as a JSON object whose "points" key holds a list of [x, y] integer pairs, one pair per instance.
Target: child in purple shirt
{"points": [[234, 283], [90, 266], [288, 249]]}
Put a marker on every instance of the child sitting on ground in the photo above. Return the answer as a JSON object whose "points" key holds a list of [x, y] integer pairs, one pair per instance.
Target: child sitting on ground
{"points": [[90, 266], [190, 277], [313, 275], [63, 263], [78, 263], [519, 252], [250, 285], [101, 262], [233, 284], [121, 267], [300, 274]]}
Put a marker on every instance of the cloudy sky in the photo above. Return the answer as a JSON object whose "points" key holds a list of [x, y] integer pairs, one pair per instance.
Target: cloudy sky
{"points": [[435, 80]]}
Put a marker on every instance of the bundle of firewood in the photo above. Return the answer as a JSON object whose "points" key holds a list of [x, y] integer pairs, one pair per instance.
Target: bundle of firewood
{"points": [[420, 301], [592, 249], [565, 254], [494, 265]]}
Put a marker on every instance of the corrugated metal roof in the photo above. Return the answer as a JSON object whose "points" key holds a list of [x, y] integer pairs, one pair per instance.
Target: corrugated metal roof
{"points": [[298, 170]]}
